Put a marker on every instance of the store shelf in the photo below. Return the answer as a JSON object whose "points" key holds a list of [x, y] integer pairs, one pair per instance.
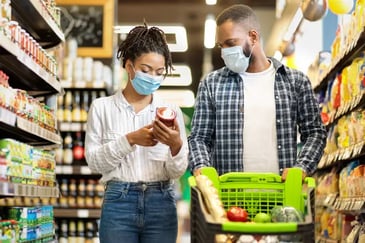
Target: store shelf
{"points": [[72, 126], [347, 154], [326, 240], [83, 84], [76, 213], [16, 189], [326, 200], [38, 22], [24, 72], [73, 170], [12, 126], [350, 53], [350, 205]]}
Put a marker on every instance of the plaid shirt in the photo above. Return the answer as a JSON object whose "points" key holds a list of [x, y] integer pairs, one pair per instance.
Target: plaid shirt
{"points": [[216, 138]]}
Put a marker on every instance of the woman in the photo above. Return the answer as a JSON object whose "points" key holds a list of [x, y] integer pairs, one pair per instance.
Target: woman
{"points": [[136, 153]]}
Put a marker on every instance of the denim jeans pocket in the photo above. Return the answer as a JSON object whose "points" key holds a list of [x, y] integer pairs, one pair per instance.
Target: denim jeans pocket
{"points": [[169, 193], [115, 192]]}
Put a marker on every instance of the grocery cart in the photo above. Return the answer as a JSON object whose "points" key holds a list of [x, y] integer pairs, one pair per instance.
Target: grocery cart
{"points": [[255, 192]]}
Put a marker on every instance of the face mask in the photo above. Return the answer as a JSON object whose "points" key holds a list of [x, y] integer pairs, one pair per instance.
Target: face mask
{"points": [[146, 84], [235, 59]]}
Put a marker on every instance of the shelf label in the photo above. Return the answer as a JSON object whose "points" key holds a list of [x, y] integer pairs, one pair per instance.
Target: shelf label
{"points": [[84, 170], [67, 169], [7, 117], [82, 213], [80, 84]]}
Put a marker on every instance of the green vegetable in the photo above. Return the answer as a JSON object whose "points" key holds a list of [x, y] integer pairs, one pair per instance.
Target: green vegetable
{"points": [[286, 214], [262, 218]]}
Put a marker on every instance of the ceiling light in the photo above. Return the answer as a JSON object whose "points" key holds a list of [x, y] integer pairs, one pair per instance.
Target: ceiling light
{"points": [[210, 2], [209, 31], [175, 35]]}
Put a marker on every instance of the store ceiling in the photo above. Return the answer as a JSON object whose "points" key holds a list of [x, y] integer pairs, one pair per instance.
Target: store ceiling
{"points": [[189, 13]]}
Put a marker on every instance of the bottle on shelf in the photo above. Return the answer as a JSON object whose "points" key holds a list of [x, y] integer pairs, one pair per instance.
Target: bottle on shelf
{"points": [[76, 107], [67, 149], [60, 108], [67, 114], [90, 193], [64, 193], [80, 232], [72, 237], [94, 95], [63, 232], [78, 148], [73, 193], [81, 194], [84, 106], [89, 234]]}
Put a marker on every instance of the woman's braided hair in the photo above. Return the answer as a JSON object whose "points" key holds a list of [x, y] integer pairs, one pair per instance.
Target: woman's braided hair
{"points": [[141, 40]]}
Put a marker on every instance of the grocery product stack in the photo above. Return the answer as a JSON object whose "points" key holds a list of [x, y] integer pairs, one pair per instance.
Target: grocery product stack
{"points": [[340, 88], [28, 123]]}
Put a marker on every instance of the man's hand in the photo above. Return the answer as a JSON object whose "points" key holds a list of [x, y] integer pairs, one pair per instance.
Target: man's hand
{"points": [[143, 136], [168, 135], [285, 173], [197, 172]]}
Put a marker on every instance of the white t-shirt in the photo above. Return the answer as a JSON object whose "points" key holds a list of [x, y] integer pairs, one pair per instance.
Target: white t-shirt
{"points": [[259, 132]]}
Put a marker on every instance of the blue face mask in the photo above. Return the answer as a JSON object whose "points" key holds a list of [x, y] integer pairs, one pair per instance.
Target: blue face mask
{"points": [[235, 59], [146, 84]]}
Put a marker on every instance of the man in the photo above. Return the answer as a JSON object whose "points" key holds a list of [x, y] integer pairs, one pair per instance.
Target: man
{"points": [[247, 114]]}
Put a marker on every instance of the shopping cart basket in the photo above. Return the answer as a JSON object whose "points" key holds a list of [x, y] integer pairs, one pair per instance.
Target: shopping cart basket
{"points": [[256, 192]]}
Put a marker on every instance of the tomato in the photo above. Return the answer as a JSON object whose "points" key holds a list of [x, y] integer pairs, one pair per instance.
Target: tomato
{"points": [[237, 214]]}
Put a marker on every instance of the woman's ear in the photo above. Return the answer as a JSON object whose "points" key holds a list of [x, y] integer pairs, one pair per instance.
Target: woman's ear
{"points": [[129, 68]]}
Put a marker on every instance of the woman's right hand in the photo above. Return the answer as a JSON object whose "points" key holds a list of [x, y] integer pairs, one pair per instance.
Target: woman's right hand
{"points": [[142, 136]]}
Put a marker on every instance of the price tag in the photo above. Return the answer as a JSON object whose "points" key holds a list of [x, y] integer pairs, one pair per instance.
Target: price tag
{"points": [[80, 84], [58, 170], [67, 169], [98, 84], [7, 117], [84, 170], [82, 213], [75, 127]]}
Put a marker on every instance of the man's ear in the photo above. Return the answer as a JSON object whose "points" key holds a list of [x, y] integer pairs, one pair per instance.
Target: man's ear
{"points": [[254, 36]]}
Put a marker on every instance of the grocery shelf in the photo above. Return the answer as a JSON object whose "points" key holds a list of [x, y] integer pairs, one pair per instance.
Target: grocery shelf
{"points": [[24, 72], [13, 126], [350, 53], [17, 189], [76, 213], [38, 22], [67, 84], [72, 126], [74, 170], [346, 154]]}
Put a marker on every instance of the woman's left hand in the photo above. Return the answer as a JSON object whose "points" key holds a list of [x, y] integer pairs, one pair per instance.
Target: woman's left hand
{"points": [[168, 135]]}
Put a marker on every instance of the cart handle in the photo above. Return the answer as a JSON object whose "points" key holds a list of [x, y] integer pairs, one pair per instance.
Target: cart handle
{"points": [[250, 177]]}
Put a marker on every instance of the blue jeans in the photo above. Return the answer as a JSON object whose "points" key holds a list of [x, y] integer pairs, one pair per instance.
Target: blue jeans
{"points": [[138, 213]]}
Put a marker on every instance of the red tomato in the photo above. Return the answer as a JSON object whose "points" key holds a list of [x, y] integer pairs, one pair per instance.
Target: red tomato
{"points": [[236, 213]]}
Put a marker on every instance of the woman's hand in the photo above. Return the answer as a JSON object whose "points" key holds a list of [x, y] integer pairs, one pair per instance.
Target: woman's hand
{"points": [[143, 136], [168, 135]]}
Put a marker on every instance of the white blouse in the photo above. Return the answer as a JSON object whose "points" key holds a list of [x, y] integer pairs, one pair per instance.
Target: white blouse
{"points": [[109, 153]]}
